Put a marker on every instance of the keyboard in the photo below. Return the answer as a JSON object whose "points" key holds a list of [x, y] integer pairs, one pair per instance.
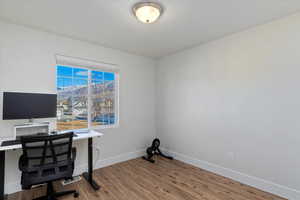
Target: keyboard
{"points": [[10, 143]]}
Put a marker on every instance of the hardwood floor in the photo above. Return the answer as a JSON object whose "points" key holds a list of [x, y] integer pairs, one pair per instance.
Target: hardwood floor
{"points": [[165, 180]]}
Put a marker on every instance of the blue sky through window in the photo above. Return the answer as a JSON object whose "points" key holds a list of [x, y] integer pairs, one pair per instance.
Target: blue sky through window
{"points": [[70, 76], [64, 71], [80, 82], [97, 75], [64, 82], [80, 73], [109, 76]]}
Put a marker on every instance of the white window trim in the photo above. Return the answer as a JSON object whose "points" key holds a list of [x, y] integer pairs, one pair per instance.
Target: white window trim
{"points": [[94, 65]]}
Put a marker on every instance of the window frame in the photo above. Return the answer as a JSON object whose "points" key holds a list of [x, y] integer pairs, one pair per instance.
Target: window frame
{"points": [[89, 94]]}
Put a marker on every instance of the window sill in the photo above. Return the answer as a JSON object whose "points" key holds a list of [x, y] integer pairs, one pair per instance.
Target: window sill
{"points": [[100, 127], [105, 126]]}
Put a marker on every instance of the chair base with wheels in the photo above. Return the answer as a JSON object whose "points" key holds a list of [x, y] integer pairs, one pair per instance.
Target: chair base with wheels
{"points": [[52, 195]]}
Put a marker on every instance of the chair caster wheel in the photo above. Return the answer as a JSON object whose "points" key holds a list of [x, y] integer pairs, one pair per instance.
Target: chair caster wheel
{"points": [[76, 194]]}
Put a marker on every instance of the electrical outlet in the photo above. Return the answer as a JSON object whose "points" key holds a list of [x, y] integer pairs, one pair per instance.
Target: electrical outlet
{"points": [[97, 158]]}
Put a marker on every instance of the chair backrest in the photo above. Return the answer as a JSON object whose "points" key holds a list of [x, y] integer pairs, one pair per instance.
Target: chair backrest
{"points": [[46, 156]]}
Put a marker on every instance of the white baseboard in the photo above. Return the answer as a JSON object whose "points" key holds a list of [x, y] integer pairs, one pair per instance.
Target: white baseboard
{"points": [[13, 187], [119, 158], [259, 183], [79, 169]]}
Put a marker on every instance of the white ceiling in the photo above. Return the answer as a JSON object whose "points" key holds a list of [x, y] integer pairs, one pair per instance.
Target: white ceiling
{"points": [[185, 23]]}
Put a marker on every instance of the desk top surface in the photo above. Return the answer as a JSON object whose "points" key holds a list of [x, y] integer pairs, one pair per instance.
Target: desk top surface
{"points": [[80, 136]]}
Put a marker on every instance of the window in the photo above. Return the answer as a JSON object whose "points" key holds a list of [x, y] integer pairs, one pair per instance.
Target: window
{"points": [[86, 98]]}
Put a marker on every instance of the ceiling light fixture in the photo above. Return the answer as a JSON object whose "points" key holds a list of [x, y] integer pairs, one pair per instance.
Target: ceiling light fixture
{"points": [[147, 12]]}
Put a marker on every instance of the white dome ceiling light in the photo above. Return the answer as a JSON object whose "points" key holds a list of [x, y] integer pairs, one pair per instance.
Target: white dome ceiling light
{"points": [[147, 12]]}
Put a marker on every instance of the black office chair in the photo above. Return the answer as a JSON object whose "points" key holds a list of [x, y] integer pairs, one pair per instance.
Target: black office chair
{"points": [[46, 159]]}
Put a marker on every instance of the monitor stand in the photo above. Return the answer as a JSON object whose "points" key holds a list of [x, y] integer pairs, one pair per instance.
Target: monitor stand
{"points": [[30, 122]]}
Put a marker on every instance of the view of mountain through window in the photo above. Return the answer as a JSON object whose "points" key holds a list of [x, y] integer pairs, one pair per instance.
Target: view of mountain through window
{"points": [[76, 89]]}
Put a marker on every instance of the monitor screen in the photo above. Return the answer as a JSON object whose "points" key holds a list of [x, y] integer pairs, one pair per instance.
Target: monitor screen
{"points": [[28, 105]]}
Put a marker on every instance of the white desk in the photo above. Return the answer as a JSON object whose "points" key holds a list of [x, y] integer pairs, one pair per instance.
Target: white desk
{"points": [[80, 136]]}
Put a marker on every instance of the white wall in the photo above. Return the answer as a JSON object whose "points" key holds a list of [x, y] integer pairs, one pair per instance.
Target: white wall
{"points": [[27, 64], [235, 103]]}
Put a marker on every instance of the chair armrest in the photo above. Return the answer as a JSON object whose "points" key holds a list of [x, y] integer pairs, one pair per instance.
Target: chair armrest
{"points": [[22, 163]]}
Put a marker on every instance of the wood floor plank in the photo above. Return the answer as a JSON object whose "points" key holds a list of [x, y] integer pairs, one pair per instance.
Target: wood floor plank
{"points": [[199, 188], [205, 182], [227, 183], [138, 179]]}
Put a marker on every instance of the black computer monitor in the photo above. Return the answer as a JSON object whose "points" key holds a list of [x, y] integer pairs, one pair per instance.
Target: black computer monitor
{"points": [[28, 105]]}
